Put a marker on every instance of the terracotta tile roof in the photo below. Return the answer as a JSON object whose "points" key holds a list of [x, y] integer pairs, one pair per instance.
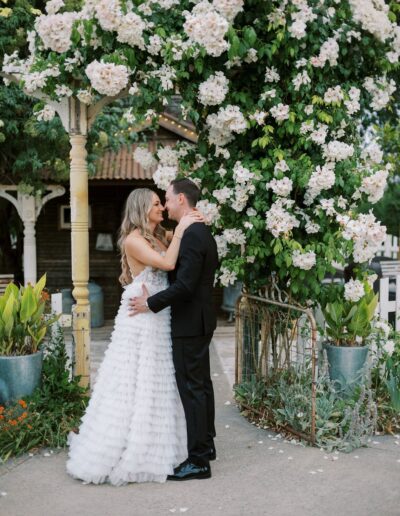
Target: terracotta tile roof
{"points": [[121, 165]]}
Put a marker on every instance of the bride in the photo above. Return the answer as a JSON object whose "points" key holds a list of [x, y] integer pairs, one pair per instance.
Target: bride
{"points": [[134, 427]]}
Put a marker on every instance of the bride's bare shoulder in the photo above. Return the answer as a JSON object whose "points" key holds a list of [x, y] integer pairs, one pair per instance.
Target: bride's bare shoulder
{"points": [[135, 238]]}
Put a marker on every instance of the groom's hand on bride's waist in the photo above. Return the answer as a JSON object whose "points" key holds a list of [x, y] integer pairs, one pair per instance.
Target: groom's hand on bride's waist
{"points": [[138, 304]]}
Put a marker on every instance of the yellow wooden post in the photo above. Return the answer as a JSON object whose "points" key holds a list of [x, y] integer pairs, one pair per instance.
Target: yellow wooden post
{"points": [[80, 255]]}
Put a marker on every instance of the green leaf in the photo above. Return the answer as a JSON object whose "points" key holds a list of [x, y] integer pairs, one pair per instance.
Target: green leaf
{"points": [[28, 304], [75, 36], [234, 48], [8, 315], [198, 64], [38, 288], [250, 36]]}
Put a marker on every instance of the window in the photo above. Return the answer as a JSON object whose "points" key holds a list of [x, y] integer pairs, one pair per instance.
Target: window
{"points": [[65, 217]]}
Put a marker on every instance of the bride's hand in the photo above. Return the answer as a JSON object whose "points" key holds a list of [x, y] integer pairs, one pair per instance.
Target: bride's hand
{"points": [[188, 220]]}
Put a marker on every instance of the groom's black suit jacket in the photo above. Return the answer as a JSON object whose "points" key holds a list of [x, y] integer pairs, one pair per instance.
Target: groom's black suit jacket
{"points": [[190, 292]]}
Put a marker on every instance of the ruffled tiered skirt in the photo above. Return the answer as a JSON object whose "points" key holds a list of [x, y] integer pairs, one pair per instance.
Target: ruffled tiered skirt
{"points": [[134, 428]]}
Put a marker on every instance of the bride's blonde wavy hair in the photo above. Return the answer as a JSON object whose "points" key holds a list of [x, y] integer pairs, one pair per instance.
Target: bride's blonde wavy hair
{"points": [[136, 216]]}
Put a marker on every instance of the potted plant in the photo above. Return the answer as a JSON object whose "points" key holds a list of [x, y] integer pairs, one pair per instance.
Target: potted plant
{"points": [[23, 326], [348, 326]]}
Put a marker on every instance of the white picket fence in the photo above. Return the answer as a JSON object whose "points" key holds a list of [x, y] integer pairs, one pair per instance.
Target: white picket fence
{"points": [[390, 247], [386, 306]]}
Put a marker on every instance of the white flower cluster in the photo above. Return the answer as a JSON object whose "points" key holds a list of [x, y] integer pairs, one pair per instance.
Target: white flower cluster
{"points": [[383, 327], [221, 125], [223, 194], [328, 206], [338, 151], [241, 174], [373, 153], [322, 178], [278, 220], [281, 166], [32, 80], [258, 116], [209, 210], [165, 4], [63, 91], [380, 89], [227, 277], [280, 112], [71, 62], [374, 185], [333, 95], [305, 261], [144, 157], [353, 104], [244, 186], [394, 55], [53, 6], [130, 30], [228, 8], [205, 26], [168, 156], [300, 18], [229, 236], [107, 78], [251, 56], [373, 17], [281, 187], [301, 79], [329, 52], [271, 74], [166, 74], [155, 45], [354, 290], [366, 233], [319, 134], [13, 65], [213, 91], [163, 176], [234, 236], [108, 14], [46, 114], [179, 47], [55, 30], [222, 246]]}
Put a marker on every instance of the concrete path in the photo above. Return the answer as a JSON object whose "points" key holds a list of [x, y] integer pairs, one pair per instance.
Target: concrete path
{"points": [[257, 472]]}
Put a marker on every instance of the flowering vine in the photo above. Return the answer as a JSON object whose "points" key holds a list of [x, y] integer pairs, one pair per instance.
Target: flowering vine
{"points": [[276, 91]]}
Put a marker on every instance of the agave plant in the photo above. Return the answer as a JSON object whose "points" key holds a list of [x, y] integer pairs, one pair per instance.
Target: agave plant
{"points": [[23, 322]]}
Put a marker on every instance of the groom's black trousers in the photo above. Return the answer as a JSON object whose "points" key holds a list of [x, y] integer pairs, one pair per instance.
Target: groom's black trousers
{"points": [[192, 369]]}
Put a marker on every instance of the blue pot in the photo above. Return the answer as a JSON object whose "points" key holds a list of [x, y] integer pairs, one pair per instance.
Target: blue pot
{"points": [[96, 300], [19, 376], [346, 365]]}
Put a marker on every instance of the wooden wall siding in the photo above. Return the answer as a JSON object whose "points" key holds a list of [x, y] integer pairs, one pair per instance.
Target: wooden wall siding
{"points": [[54, 244]]}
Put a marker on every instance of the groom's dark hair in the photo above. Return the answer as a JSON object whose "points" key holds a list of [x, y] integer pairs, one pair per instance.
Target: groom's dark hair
{"points": [[188, 189]]}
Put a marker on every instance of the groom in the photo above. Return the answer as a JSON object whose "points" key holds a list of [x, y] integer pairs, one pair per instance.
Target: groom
{"points": [[192, 325]]}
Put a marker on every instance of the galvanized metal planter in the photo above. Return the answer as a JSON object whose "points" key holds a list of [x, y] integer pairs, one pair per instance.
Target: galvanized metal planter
{"points": [[346, 365], [19, 376]]}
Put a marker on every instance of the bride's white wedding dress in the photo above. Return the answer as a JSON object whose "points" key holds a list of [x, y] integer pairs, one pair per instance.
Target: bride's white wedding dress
{"points": [[134, 428]]}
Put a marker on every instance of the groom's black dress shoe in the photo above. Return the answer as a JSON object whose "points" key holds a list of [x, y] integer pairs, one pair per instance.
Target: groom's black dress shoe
{"points": [[188, 471]]}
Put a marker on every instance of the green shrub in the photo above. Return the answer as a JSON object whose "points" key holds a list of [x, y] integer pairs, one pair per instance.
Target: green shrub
{"points": [[47, 417]]}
